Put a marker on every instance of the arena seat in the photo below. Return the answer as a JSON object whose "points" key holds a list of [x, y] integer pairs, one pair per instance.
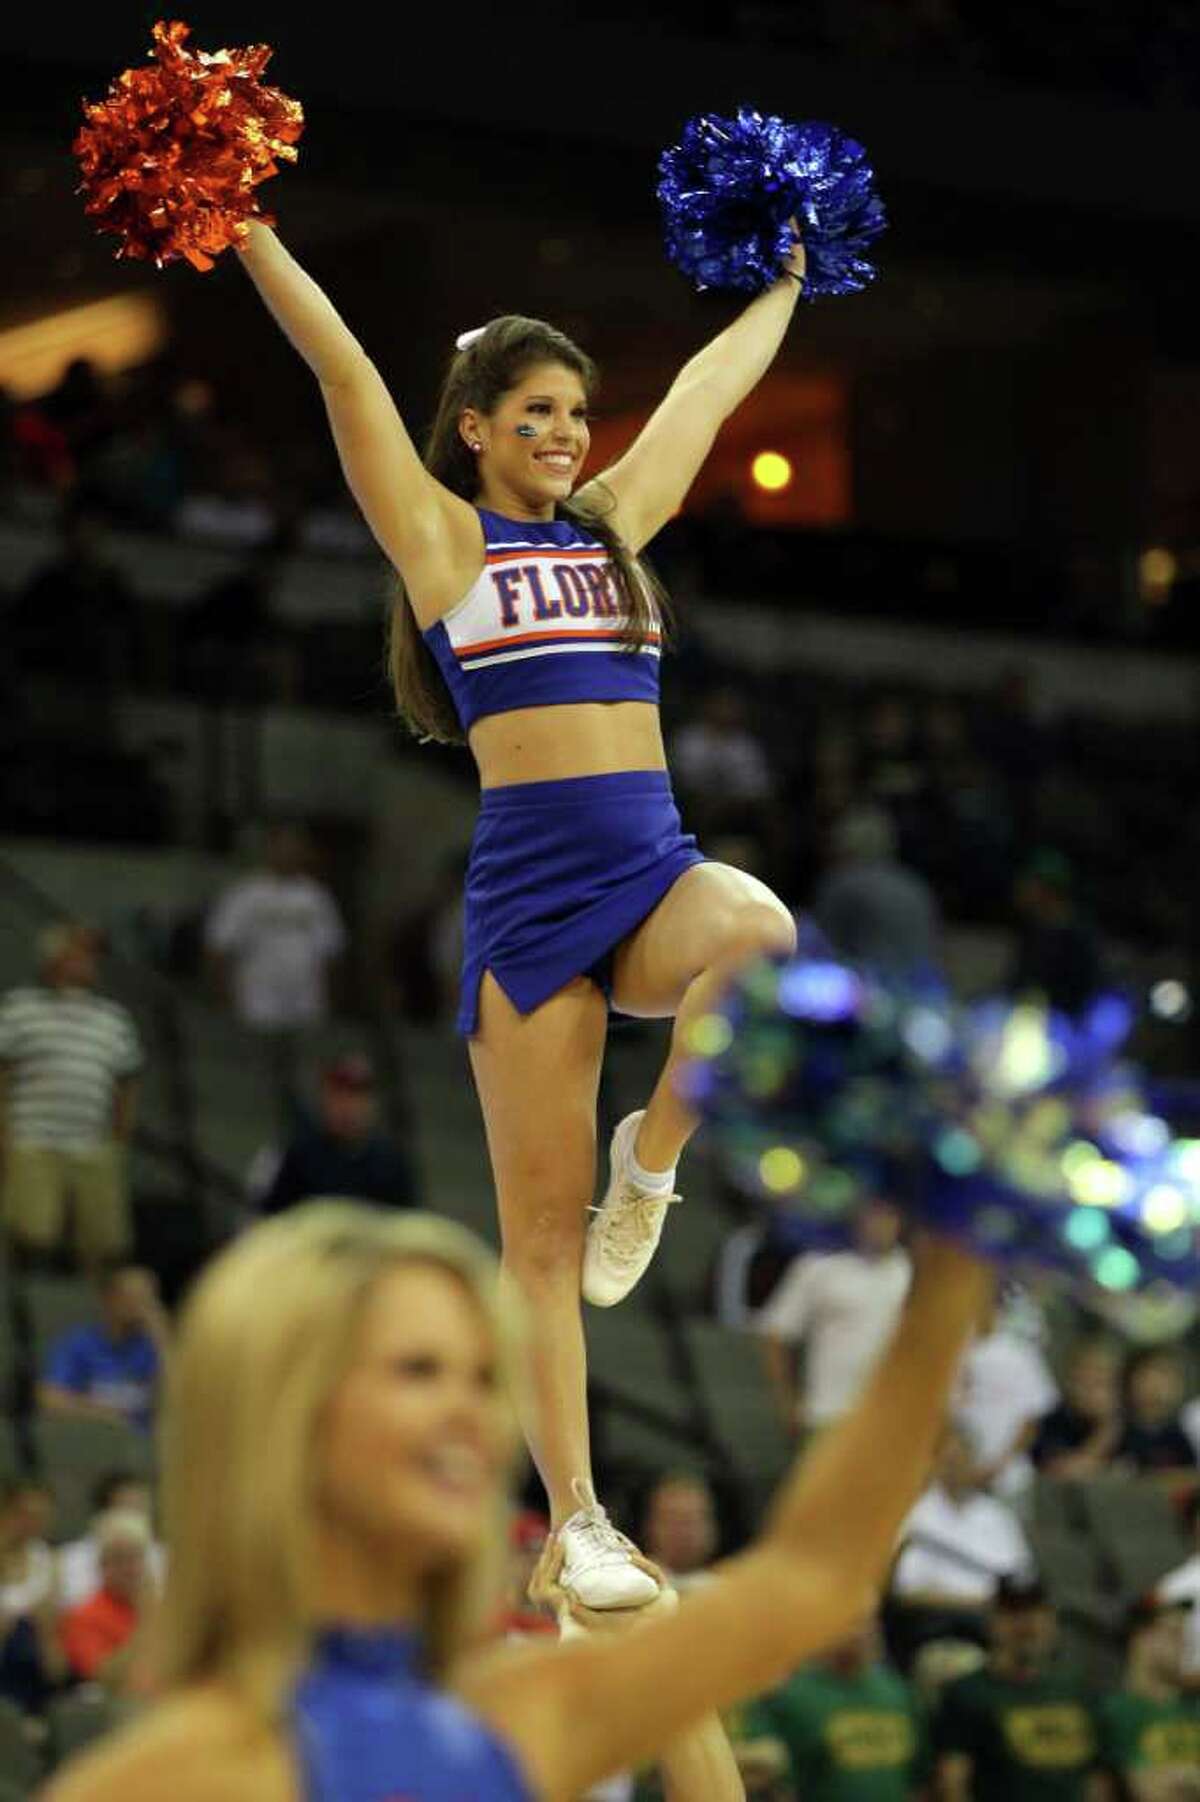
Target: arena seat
{"points": [[74, 1454], [19, 1763], [744, 1412], [78, 1720], [53, 1306], [1137, 1530]]}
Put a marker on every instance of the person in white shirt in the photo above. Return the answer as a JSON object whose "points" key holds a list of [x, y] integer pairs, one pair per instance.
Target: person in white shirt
{"points": [[272, 936], [956, 1546], [1004, 1387], [272, 940], [1183, 1585], [841, 1307]]}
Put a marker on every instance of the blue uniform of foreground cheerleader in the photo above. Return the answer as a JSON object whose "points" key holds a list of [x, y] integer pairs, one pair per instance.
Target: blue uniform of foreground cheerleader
{"points": [[368, 1728], [560, 872]]}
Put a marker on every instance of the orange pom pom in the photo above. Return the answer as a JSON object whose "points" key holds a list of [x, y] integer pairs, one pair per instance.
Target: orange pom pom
{"points": [[171, 159]]}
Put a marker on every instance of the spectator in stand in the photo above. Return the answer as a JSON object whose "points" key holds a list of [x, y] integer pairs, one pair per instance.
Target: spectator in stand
{"points": [[112, 1369], [875, 911], [679, 1528], [77, 617], [1058, 955], [1004, 1389], [69, 1066], [1150, 1729], [958, 1546], [274, 941], [343, 1151], [1182, 1585], [852, 1728], [80, 405], [1015, 1731], [841, 1307], [721, 768], [1154, 1440], [1079, 1438], [117, 1492], [31, 1662], [98, 1636]]}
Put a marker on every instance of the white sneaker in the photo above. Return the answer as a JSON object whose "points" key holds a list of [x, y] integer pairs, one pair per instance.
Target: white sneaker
{"points": [[597, 1568], [624, 1231]]}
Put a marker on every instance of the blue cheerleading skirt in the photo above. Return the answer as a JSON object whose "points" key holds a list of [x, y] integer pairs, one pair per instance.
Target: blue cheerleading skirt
{"points": [[559, 874]]}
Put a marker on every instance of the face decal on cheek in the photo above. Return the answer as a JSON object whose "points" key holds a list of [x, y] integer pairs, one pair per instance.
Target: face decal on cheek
{"points": [[527, 431]]}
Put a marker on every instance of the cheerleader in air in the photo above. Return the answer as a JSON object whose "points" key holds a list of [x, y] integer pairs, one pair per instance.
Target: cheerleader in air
{"points": [[525, 625], [337, 1442]]}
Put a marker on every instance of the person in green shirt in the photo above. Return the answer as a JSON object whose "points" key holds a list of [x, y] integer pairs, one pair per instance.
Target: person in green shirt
{"points": [[1150, 1730], [1016, 1731], [851, 1727]]}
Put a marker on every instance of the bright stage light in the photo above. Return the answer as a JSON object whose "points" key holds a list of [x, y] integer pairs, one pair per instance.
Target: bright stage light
{"points": [[771, 471]]}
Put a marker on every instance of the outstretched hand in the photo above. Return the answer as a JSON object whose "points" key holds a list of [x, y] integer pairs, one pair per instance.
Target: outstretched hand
{"points": [[546, 1590]]}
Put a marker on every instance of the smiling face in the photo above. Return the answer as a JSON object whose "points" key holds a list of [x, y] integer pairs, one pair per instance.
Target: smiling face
{"points": [[534, 442], [415, 1440]]}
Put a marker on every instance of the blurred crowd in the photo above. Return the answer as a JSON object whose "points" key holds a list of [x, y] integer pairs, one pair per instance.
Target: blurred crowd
{"points": [[890, 813], [1067, 826]]}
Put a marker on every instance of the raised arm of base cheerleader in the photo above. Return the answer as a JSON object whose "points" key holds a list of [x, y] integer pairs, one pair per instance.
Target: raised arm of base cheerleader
{"points": [[651, 480], [575, 1713], [431, 535]]}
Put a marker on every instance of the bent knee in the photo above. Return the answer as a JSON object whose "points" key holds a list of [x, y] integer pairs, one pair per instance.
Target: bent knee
{"points": [[759, 929]]}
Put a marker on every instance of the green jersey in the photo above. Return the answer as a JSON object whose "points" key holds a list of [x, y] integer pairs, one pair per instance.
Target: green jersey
{"points": [[1036, 1740], [1137, 1734], [849, 1739]]}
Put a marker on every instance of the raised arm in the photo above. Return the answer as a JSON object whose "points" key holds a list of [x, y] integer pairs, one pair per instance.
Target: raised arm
{"points": [[578, 1712], [431, 535], [651, 480]]}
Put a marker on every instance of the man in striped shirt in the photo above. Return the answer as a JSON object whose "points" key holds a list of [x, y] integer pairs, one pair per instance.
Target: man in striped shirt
{"points": [[69, 1064]]}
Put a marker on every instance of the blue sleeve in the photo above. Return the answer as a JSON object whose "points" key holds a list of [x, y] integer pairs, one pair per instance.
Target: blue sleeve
{"points": [[67, 1365]]}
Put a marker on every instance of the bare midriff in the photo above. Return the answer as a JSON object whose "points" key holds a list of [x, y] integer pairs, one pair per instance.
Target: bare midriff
{"points": [[580, 738]]}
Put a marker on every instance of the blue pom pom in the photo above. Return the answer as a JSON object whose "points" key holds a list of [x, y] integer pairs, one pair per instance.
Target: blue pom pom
{"points": [[1010, 1127], [730, 188]]}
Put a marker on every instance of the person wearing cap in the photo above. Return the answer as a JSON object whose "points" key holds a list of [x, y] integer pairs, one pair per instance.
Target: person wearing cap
{"points": [[1058, 954], [1150, 1730], [340, 1150], [1016, 1730], [69, 1066]]}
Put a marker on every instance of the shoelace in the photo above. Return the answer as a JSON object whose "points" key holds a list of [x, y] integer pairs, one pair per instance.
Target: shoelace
{"points": [[595, 1530], [625, 1226]]}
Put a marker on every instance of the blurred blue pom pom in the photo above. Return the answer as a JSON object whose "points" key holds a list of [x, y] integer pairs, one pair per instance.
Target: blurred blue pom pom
{"points": [[729, 188], [1013, 1128]]}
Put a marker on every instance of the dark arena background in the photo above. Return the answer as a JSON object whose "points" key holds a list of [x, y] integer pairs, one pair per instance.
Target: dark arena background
{"points": [[937, 593]]}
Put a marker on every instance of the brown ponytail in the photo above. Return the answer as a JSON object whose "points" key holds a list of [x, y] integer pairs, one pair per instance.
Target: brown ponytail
{"points": [[478, 377]]}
